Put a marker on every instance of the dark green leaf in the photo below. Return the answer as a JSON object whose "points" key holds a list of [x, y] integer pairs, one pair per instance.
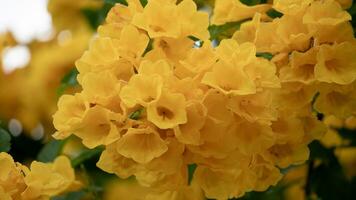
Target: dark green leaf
{"points": [[327, 179], [86, 155], [113, 2], [69, 80], [349, 135], [51, 150], [136, 114], [219, 32], [267, 56], [144, 2], [272, 13], [191, 170], [149, 47], [252, 2], [71, 196], [5, 139]]}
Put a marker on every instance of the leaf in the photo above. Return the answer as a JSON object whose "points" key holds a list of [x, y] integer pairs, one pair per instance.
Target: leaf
{"points": [[69, 80], [136, 114], [252, 2], [267, 56], [71, 196], [50, 151], [348, 134], [327, 179], [219, 32], [86, 155], [5, 139], [144, 2], [113, 2], [272, 13], [191, 170]]}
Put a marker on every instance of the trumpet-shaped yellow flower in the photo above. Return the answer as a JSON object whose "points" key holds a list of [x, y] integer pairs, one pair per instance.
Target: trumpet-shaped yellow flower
{"points": [[229, 79], [142, 89], [12, 175], [169, 111], [234, 10], [291, 7], [158, 15], [336, 63], [327, 12], [106, 93], [100, 126], [70, 114], [50, 179], [142, 145]]}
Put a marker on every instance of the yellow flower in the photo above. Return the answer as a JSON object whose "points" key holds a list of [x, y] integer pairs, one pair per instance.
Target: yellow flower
{"points": [[142, 89], [254, 138], [301, 68], [4, 195], [336, 63], [160, 67], [291, 7], [102, 55], [106, 93], [337, 100], [174, 49], [11, 177], [50, 179], [198, 60], [70, 114], [142, 145], [131, 44], [189, 133], [99, 127], [259, 107], [229, 79], [234, 10], [169, 111], [157, 18], [124, 189], [113, 162], [327, 12], [193, 22], [121, 15]]}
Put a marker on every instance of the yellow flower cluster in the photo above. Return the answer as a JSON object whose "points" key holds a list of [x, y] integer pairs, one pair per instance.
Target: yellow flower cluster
{"points": [[160, 102], [40, 182]]}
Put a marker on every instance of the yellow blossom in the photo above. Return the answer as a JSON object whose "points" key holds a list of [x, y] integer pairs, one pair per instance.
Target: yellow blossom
{"points": [[169, 111], [142, 145], [49, 179]]}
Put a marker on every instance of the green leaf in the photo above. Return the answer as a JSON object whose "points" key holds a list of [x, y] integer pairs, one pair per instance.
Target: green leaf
{"points": [[219, 32], [191, 170], [267, 56], [144, 2], [86, 155], [252, 2], [272, 13], [71, 196], [69, 80], [149, 47], [349, 135], [5, 139], [136, 114], [327, 179], [113, 2], [51, 150]]}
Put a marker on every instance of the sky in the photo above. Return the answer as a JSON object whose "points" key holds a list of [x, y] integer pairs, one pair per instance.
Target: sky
{"points": [[27, 20]]}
